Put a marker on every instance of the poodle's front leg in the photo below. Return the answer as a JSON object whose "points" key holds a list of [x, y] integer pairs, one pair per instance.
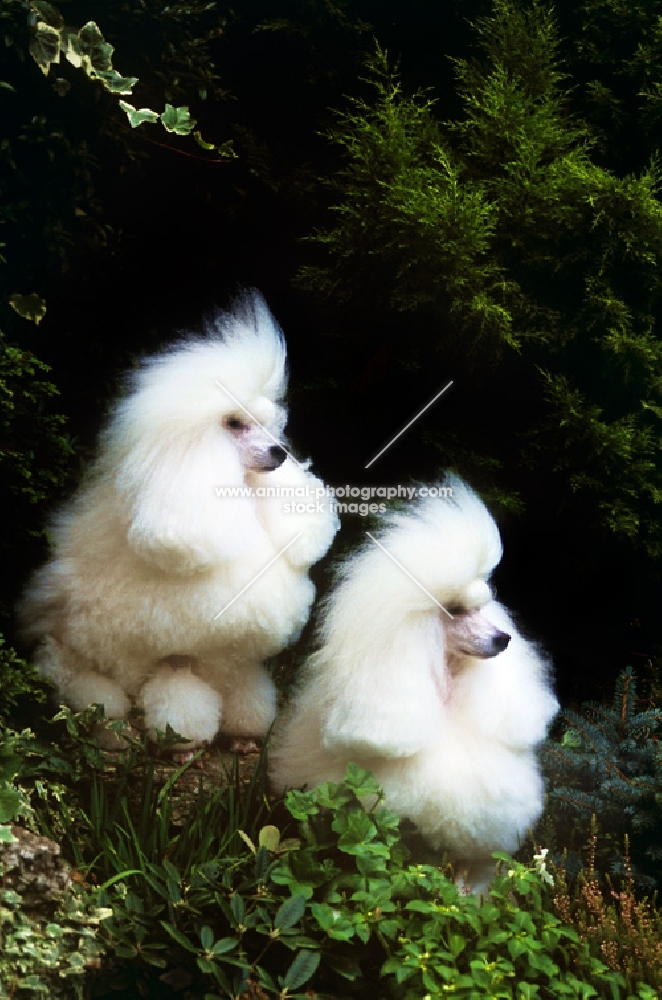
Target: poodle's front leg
{"points": [[175, 696], [300, 507], [78, 683], [248, 693]]}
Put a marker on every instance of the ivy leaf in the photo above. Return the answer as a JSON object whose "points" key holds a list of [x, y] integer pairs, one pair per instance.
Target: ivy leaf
{"points": [[94, 48], [31, 307], [45, 46], [6, 836], [116, 83], [201, 142], [177, 120], [226, 149], [137, 117], [88, 50], [47, 12]]}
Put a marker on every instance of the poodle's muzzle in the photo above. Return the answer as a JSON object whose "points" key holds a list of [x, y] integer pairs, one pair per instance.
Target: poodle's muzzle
{"points": [[471, 634], [256, 447], [276, 456]]}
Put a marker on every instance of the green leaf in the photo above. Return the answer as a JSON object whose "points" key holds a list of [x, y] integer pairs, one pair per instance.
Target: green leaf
{"points": [[115, 83], [10, 801], [6, 836], [206, 937], [45, 46], [48, 13], [31, 307], [223, 946], [173, 891], [96, 51], [302, 968], [300, 805], [238, 908], [171, 870], [178, 937], [247, 840], [138, 117], [177, 120], [151, 959], [269, 837], [262, 862], [361, 782], [125, 951], [289, 913], [201, 142], [226, 149]]}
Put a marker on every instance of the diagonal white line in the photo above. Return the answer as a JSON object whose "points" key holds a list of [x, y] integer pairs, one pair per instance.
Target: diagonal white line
{"points": [[255, 420], [258, 575], [420, 585], [400, 433]]}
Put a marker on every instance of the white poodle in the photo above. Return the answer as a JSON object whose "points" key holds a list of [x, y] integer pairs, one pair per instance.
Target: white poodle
{"points": [[161, 591], [444, 704]]}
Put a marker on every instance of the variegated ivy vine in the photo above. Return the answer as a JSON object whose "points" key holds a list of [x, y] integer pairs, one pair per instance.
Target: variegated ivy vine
{"points": [[86, 49]]}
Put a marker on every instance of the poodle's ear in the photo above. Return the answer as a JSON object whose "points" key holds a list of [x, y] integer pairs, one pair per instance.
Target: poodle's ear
{"points": [[389, 701], [180, 521]]}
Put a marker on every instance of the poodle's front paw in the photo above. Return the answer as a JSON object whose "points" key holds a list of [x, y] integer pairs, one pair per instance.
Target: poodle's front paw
{"points": [[178, 698], [315, 537]]}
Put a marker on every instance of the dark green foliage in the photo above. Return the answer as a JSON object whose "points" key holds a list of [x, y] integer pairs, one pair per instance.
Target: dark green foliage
{"points": [[35, 458], [607, 763], [49, 958], [19, 681], [614, 49], [195, 891], [342, 912], [502, 239]]}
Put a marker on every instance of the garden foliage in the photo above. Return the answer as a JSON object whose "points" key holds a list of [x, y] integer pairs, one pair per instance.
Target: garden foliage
{"points": [[213, 891], [503, 240], [607, 763]]}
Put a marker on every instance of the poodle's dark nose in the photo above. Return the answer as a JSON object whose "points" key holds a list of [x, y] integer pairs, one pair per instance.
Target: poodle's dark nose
{"points": [[277, 455], [500, 641]]}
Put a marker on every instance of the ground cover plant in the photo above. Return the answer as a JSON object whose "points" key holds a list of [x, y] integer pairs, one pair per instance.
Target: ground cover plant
{"points": [[209, 892]]}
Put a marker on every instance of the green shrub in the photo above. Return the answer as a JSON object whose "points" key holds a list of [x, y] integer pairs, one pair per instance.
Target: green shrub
{"points": [[620, 929], [217, 892], [340, 912], [607, 763], [49, 957]]}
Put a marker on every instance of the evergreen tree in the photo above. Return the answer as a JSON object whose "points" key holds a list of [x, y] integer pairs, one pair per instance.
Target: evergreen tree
{"points": [[608, 764], [498, 237]]}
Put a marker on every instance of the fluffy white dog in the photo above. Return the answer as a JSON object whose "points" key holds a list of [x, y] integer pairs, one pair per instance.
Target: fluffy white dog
{"points": [[445, 705], [158, 592]]}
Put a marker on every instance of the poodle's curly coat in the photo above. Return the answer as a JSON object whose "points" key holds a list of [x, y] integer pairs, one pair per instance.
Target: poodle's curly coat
{"points": [[445, 711], [148, 554]]}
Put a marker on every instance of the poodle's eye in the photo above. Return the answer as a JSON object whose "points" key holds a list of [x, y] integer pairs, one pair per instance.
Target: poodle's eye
{"points": [[233, 423], [454, 609]]}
